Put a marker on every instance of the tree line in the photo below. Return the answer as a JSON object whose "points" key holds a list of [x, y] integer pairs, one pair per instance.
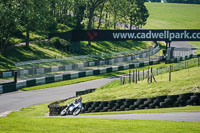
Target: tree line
{"points": [[178, 1], [44, 15]]}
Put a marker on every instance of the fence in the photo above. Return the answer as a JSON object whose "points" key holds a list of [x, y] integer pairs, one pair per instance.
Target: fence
{"points": [[138, 75], [56, 78], [47, 67]]}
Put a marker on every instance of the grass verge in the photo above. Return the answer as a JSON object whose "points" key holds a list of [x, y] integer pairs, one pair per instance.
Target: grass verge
{"points": [[57, 125]]}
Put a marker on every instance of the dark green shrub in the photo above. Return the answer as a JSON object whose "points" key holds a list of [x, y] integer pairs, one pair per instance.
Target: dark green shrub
{"points": [[60, 43]]}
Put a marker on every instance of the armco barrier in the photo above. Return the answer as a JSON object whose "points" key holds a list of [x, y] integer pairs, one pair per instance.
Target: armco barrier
{"points": [[135, 104], [6, 74], [1, 89], [9, 87], [80, 66], [56, 78], [178, 59]]}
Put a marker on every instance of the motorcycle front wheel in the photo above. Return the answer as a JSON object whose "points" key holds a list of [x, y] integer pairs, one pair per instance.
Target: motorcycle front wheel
{"points": [[63, 113], [76, 112]]}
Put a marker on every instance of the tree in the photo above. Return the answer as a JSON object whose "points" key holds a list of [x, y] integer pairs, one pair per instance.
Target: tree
{"points": [[8, 22], [118, 11], [79, 9], [34, 15], [138, 13], [92, 5]]}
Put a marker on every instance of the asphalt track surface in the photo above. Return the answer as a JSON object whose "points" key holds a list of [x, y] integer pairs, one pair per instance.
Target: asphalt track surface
{"points": [[191, 116], [22, 99]]}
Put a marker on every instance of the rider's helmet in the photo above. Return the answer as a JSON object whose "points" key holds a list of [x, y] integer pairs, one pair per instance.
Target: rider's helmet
{"points": [[80, 99]]}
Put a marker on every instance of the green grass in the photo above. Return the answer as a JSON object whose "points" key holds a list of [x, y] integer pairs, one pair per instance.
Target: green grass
{"points": [[30, 120], [173, 16], [197, 45], [57, 125], [118, 46], [33, 111], [184, 81]]}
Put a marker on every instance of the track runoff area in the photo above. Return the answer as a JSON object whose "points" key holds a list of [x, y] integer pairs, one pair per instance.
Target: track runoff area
{"points": [[135, 35]]}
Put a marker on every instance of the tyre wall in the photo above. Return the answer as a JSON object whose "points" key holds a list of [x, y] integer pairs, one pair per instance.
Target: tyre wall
{"points": [[135, 104], [79, 93]]}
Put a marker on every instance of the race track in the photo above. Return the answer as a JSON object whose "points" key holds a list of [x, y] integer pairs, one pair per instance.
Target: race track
{"points": [[193, 117], [22, 99]]}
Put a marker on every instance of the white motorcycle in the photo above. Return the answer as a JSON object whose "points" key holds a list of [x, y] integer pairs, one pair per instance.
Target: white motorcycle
{"points": [[72, 109]]}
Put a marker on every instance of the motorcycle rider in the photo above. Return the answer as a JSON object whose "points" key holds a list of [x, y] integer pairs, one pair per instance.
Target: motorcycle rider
{"points": [[76, 101]]}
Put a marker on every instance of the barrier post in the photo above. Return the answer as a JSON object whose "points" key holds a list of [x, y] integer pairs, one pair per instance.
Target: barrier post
{"points": [[15, 76]]}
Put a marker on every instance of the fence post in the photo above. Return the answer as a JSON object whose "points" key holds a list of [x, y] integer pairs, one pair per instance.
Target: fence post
{"points": [[124, 80], [133, 76], [170, 68], [157, 71], [143, 74], [121, 80], [185, 64], [136, 76], [151, 75], [199, 62], [129, 76]]}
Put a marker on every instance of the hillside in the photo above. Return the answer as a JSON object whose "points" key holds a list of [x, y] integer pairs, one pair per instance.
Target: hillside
{"points": [[167, 16], [173, 16], [44, 51], [188, 83]]}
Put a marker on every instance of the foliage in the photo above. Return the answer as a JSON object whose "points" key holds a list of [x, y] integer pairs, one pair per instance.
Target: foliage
{"points": [[60, 44], [46, 15], [8, 22], [137, 13], [177, 1]]}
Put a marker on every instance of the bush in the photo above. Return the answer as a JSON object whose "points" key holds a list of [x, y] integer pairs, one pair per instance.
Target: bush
{"points": [[62, 28], [60, 44]]}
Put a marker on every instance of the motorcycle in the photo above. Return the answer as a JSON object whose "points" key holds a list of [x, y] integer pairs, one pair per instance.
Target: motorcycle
{"points": [[72, 109]]}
